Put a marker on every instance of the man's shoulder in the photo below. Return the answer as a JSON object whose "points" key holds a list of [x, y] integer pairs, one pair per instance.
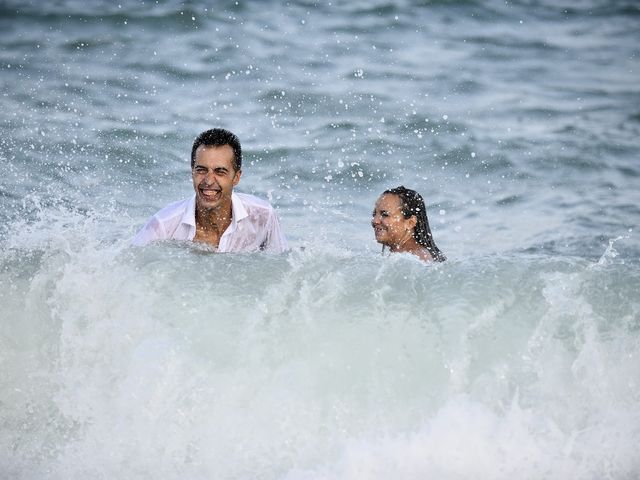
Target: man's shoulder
{"points": [[251, 202]]}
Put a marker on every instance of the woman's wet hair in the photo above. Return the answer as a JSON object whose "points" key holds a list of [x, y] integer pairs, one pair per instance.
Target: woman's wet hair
{"points": [[413, 205]]}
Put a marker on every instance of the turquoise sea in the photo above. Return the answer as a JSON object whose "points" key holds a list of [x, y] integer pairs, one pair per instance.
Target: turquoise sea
{"points": [[519, 357]]}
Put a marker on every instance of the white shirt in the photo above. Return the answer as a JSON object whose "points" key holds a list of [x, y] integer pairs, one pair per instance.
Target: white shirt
{"points": [[254, 225]]}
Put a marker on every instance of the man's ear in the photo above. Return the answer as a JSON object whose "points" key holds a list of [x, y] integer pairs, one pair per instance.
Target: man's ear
{"points": [[236, 177]]}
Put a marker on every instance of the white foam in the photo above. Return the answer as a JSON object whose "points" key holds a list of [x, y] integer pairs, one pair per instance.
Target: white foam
{"points": [[170, 362]]}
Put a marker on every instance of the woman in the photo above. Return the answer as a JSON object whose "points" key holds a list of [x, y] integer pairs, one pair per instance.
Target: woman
{"points": [[400, 223]]}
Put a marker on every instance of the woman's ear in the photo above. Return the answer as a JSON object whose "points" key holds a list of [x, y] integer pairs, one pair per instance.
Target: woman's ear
{"points": [[413, 221]]}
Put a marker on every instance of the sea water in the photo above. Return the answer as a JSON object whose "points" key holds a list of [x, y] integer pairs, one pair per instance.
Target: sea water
{"points": [[519, 357]]}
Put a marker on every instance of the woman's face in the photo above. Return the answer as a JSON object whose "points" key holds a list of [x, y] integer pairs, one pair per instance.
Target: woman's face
{"points": [[389, 225]]}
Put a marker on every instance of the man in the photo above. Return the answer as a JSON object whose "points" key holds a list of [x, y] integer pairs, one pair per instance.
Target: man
{"points": [[216, 215]]}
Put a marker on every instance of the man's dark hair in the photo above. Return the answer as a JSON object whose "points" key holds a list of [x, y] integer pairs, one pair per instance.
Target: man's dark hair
{"points": [[217, 137], [413, 205]]}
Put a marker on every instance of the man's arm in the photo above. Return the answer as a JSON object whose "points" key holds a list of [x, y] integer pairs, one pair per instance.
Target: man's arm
{"points": [[275, 240], [151, 231]]}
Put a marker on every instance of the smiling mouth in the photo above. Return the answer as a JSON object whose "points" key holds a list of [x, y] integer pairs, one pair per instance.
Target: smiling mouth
{"points": [[209, 193]]}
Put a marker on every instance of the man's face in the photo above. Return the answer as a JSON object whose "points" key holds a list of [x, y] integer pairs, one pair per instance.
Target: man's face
{"points": [[214, 177]]}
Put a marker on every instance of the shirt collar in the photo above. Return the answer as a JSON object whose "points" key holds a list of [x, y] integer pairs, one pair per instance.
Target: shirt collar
{"points": [[189, 216], [238, 212]]}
